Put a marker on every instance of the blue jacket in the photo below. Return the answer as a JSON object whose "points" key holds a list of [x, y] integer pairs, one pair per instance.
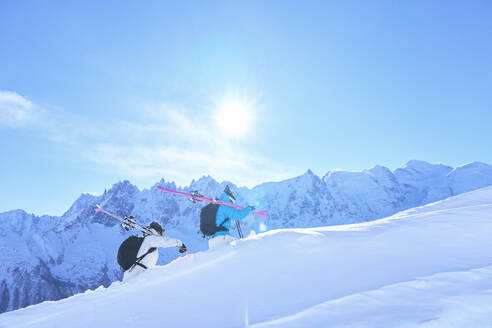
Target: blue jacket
{"points": [[224, 212]]}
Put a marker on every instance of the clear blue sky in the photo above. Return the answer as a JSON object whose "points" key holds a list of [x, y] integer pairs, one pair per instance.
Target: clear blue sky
{"points": [[92, 92]]}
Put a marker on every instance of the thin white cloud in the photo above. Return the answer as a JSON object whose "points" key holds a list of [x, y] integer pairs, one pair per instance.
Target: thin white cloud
{"points": [[53, 124], [148, 164], [15, 110], [180, 147], [164, 141]]}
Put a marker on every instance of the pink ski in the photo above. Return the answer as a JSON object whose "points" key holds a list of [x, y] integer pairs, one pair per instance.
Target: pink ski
{"points": [[261, 213]]}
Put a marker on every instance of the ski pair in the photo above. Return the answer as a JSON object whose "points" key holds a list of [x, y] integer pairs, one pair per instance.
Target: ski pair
{"points": [[128, 222], [197, 197]]}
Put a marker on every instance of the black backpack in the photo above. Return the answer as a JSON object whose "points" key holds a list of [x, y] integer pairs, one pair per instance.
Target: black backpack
{"points": [[207, 220], [127, 253]]}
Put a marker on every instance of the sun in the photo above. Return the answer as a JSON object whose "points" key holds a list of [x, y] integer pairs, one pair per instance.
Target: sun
{"points": [[233, 118]]}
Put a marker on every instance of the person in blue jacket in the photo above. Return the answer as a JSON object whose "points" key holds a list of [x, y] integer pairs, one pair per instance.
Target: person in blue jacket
{"points": [[226, 212]]}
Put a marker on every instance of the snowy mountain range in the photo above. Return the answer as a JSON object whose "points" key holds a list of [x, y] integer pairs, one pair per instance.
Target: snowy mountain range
{"points": [[425, 267], [49, 258]]}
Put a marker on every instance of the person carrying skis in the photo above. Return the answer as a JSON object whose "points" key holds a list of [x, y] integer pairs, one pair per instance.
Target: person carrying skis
{"points": [[223, 218], [134, 262]]}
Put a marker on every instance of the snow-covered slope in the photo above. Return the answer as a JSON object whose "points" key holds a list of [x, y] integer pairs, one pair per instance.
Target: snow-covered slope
{"points": [[48, 258], [426, 267]]}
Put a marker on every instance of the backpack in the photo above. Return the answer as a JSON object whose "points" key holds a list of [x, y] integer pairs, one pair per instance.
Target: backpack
{"points": [[127, 253], [207, 220]]}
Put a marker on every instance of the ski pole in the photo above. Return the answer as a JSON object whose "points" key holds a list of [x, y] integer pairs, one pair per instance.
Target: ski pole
{"points": [[238, 227]]}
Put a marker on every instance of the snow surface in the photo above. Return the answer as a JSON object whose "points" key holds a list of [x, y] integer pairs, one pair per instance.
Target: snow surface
{"points": [[430, 266]]}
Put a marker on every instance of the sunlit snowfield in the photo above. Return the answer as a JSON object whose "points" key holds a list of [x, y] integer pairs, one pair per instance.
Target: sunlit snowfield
{"points": [[426, 267]]}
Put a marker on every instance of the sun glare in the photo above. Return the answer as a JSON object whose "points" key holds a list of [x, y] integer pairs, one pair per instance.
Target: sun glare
{"points": [[233, 118]]}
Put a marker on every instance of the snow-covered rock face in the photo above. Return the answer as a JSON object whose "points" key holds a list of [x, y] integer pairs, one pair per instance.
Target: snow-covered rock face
{"points": [[365, 195], [470, 177], [48, 258]]}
